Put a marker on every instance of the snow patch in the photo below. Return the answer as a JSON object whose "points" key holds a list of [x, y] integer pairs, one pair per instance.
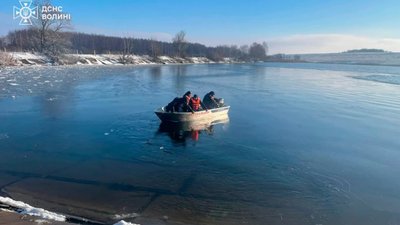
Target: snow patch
{"points": [[42, 221], [26, 58], [123, 222], [27, 209]]}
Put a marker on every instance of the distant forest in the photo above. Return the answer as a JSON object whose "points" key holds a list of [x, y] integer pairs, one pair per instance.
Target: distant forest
{"points": [[374, 50], [54, 38], [59, 42]]}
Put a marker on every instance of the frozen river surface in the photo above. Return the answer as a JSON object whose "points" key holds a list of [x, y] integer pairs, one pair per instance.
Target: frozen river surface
{"points": [[305, 144]]}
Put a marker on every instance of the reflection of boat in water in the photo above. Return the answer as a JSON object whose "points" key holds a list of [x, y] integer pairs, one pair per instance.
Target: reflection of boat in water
{"points": [[198, 116], [191, 129]]}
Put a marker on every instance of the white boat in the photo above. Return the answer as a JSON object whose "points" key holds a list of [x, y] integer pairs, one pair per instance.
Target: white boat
{"points": [[192, 125], [198, 116]]}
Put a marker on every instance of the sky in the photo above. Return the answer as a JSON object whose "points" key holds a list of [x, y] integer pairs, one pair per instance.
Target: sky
{"points": [[288, 26]]}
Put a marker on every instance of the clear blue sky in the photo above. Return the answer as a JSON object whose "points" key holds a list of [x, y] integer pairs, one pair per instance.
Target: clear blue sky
{"points": [[215, 22]]}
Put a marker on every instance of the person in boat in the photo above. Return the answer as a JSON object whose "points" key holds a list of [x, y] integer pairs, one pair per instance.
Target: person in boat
{"points": [[210, 101], [196, 104], [180, 104], [186, 102], [174, 106]]}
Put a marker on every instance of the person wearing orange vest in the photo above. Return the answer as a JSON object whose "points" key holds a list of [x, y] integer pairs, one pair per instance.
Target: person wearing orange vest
{"points": [[195, 103]]}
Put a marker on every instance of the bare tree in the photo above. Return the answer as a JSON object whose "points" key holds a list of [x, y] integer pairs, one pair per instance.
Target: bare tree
{"points": [[51, 39], [155, 48], [180, 43], [266, 48], [127, 50], [244, 49]]}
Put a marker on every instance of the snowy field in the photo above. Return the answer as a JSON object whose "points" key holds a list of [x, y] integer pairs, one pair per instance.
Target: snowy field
{"points": [[371, 58]]}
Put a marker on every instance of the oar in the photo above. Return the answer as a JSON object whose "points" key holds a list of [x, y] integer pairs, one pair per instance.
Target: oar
{"points": [[190, 108]]}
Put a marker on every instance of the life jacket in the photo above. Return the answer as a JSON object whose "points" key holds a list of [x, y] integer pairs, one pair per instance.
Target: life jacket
{"points": [[195, 103]]}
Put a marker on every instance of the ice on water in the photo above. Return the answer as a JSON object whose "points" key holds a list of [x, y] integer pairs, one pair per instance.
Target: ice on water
{"points": [[382, 78], [27, 81]]}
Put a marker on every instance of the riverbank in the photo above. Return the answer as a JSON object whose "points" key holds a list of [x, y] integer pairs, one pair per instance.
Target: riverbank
{"points": [[353, 58], [12, 218], [17, 212], [32, 59]]}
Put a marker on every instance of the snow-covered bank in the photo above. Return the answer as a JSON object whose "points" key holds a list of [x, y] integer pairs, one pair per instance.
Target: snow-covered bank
{"points": [[360, 58], [26, 209], [29, 59], [123, 222]]}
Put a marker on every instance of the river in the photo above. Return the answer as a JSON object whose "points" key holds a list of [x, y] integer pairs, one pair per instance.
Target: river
{"points": [[305, 144]]}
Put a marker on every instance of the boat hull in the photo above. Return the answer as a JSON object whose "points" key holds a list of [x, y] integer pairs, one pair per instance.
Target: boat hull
{"points": [[178, 117]]}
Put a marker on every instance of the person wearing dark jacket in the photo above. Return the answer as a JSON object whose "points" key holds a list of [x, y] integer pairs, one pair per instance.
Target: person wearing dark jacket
{"points": [[186, 99], [173, 105], [209, 100]]}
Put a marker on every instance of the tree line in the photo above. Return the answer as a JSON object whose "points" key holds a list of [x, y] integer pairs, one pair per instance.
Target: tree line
{"points": [[55, 43], [53, 38]]}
